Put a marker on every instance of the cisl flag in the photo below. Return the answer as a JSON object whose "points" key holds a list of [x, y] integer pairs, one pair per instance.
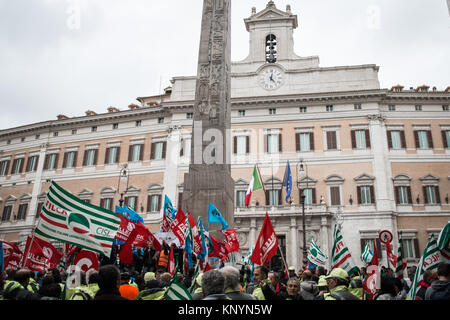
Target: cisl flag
{"points": [[267, 244]]}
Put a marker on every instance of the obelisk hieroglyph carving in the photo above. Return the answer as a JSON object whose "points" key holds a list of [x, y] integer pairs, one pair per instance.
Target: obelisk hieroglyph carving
{"points": [[209, 178]]}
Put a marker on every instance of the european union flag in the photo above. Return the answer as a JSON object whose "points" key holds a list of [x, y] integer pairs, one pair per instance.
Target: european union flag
{"points": [[214, 216], [287, 182]]}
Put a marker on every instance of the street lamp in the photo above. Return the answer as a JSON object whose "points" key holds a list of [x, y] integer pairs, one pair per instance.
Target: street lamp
{"points": [[303, 174], [123, 176]]}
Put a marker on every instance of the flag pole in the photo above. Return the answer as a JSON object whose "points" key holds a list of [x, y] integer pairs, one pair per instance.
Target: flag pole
{"points": [[282, 257]]}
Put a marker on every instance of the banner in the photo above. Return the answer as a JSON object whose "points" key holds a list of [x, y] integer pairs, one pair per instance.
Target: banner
{"points": [[69, 219], [231, 240], [167, 237], [341, 257], [86, 261], [315, 256], [50, 252], [266, 245], [34, 258], [178, 226]]}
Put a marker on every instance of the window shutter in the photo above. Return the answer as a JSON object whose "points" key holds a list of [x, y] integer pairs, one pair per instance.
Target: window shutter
{"points": [[8, 162], [311, 141], [430, 139], [397, 200], [353, 136], [300, 194], [372, 194], [403, 139], [152, 152], [280, 142], [159, 202], [95, 157], [314, 198], [389, 137], [408, 190], [39, 208], [416, 248], [438, 196], [27, 167], [367, 134], [444, 139], [117, 155], [297, 142], [247, 144], [279, 197], [358, 191], [416, 139], [85, 156], [149, 203], [235, 141], [56, 161], [102, 203], [130, 153], [425, 195], [335, 196], [108, 150], [164, 150], [266, 143], [65, 160], [267, 198], [75, 157], [141, 154]]}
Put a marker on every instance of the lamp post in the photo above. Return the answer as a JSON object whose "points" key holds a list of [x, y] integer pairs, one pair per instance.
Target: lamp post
{"points": [[303, 174], [123, 175]]}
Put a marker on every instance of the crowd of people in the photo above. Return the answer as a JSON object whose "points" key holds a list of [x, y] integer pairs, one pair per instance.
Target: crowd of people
{"points": [[148, 279]]}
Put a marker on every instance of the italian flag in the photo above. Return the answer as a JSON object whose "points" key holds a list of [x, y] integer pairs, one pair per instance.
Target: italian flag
{"points": [[255, 184]]}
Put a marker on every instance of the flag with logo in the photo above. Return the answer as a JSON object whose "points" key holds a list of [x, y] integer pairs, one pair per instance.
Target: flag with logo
{"points": [[175, 290], [391, 256], [50, 252], [443, 242], [197, 242], [231, 240], [367, 254], [430, 260], [287, 182], [315, 256], [178, 226], [401, 263], [86, 260], [129, 214], [255, 184], [341, 257], [267, 244], [219, 249], [214, 216], [169, 214], [69, 219], [34, 258], [373, 280]]}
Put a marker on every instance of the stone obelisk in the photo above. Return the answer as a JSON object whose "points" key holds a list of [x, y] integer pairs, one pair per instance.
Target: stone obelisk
{"points": [[209, 177]]}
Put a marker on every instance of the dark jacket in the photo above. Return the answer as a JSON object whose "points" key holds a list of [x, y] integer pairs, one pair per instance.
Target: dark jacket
{"points": [[220, 296], [109, 296], [269, 294], [238, 295], [439, 290]]}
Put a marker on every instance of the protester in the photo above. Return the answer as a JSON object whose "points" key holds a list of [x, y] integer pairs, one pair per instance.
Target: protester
{"points": [[337, 282], [440, 289], [109, 283], [15, 290], [387, 291], [232, 286], [356, 285], [322, 288], [127, 290], [198, 292], [427, 279], [153, 291], [260, 277], [291, 272], [213, 285]]}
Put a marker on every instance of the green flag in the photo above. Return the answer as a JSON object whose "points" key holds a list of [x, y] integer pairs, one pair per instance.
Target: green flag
{"points": [[341, 257]]}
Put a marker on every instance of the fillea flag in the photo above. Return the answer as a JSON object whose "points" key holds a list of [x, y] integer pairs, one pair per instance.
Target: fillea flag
{"points": [[69, 219]]}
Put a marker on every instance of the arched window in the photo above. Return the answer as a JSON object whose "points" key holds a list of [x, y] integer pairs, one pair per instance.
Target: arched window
{"points": [[271, 48]]}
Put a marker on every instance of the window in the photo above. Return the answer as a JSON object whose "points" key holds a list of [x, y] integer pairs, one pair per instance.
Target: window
{"points": [[37, 137], [158, 151], [241, 113], [115, 126], [272, 111], [331, 140], [22, 212], [403, 195], [335, 194], [154, 203], [74, 131], [410, 248], [135, 152], [106, 203], [431, 195], [17, 166], [310, 196], [112, 155], [446, 138], [22, 139], [372, 242], [90, 157], [360, 139], [329, 108], [304, 141], [303, 109], [273, 143], [131, 202], [94, 129], [6, 216], [160, 120], [391, 107], [274, 197], [423, 139], [55, 134], [418, 107], [358, 106], [396, 139], [4, 167], [138, 123], [241, 145], [189, 115], [240, 198], [70, 159], [32, 163], [39, 208], [271, 48], [445, 107], [51, 161], [366, 195]]}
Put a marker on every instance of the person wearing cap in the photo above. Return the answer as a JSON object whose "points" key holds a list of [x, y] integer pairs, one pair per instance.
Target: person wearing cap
{"points": [[356, 285], [291, 272], [322, 288], [337, 282], [148, 276], [198, 291]]}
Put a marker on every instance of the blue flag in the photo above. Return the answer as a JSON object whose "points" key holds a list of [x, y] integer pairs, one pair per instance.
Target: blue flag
{"points": [[168, 208], [2, 262], [214, 216], [287, 182], [202, 255], [187, 248], [129, 214]]}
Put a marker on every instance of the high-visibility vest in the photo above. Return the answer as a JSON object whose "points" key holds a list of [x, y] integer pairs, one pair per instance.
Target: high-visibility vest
{"points": [[163, 259]]}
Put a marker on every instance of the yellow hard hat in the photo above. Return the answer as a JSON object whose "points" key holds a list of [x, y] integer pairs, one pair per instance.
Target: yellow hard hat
{"points": [[322, 282], [338, 273]]}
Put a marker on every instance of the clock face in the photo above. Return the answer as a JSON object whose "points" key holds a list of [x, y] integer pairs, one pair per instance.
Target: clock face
{"points": [[271, 78]]}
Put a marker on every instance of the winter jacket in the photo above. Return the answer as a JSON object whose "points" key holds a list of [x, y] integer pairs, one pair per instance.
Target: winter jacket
{"points": [[439, 290]]}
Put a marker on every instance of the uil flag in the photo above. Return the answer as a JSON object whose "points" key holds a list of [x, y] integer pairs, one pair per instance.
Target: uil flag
{"points": [[316, 256], [341, 257], [178, 226], [287, 182], [231, 239], [214, 216], [34, 258], [69, 219], [255, 184], [53, 256], [267, 244]]}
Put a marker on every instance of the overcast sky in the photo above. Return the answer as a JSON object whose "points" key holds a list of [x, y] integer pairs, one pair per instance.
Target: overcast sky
{"points": [[68, 56]]}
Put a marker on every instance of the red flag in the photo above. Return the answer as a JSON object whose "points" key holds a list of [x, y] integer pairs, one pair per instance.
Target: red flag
{"points": [[391, 256], [126, 254], [231, 239], [34, 258], [204, 266], [219, 249], [144, 237], [372, 282], [53, 256], [178, 226], [171, 268], [86, 260], [195, 235], [266, 245], [12, 255], [125, 229]]}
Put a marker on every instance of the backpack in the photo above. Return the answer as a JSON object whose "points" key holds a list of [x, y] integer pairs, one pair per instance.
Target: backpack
{"points": [[81, 294]]}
